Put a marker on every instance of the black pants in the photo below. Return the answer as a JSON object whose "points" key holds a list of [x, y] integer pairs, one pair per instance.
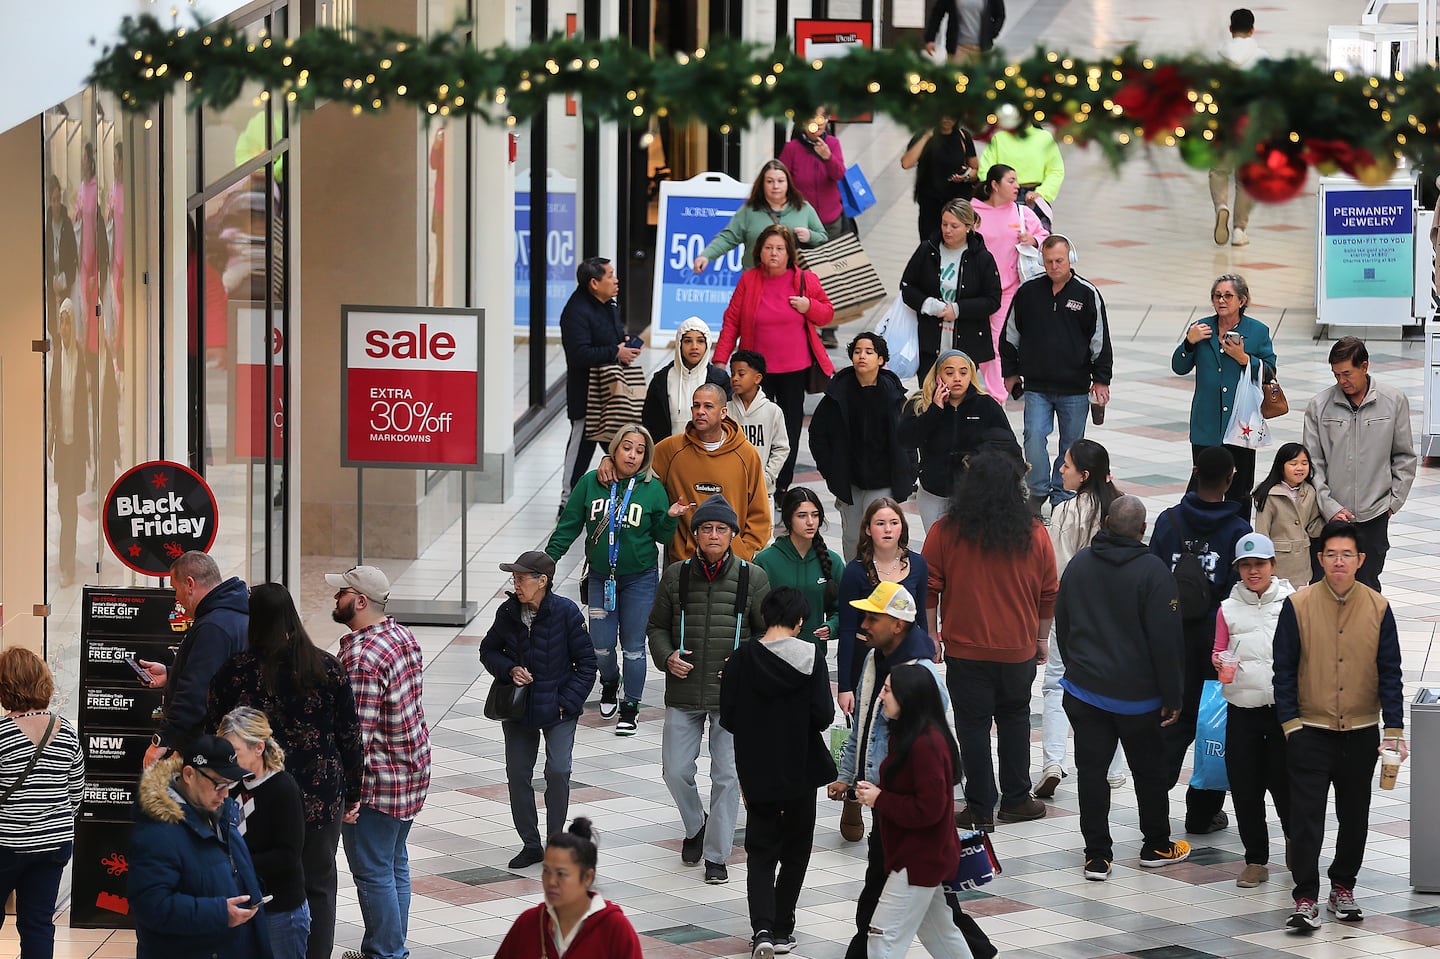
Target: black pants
{"points": [[982, 693], [1319, 759], [787, 391], [875, 877], [1201, 805], [777, 834], [1243, 483], [318, 860], [1374, 543], [1255, 764], [1097, 732]]}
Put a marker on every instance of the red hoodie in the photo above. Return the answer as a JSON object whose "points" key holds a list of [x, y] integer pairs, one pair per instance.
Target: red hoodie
{"points": [[604, 933]]}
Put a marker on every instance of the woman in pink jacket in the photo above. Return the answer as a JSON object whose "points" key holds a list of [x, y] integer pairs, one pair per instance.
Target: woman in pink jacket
{"points": [[777, 310], [1006, 225], [818, 165]]}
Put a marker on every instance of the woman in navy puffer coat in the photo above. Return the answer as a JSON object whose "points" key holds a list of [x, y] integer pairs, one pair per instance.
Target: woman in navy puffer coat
{"points": [[539, 640]]}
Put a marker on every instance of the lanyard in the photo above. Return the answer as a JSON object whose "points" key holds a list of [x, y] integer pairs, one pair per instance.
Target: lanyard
{"points": [[616, 517]]}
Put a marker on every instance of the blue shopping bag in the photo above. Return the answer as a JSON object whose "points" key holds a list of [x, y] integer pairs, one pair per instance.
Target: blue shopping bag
{"points": [[1210, 740], [855, 194]]}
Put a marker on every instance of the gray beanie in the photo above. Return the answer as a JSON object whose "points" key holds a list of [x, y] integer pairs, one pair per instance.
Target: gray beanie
{"points": [[716, 509]]}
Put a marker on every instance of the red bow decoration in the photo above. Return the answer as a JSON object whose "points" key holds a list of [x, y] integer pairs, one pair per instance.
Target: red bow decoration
{"points": [[1158, 101]]}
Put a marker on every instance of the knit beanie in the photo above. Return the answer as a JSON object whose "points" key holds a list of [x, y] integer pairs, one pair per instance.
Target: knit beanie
{"points": [[715, 510]]}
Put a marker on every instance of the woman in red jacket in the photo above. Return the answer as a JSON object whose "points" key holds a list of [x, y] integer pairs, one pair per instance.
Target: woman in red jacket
{"points": [[573, 921], [913, 806]]}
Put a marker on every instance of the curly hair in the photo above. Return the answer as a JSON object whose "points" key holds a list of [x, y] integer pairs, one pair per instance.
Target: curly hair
{"points": [[987, 506]]}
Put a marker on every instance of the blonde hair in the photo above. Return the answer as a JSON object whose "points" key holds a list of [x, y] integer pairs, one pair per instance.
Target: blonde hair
{"points": [[926, 394], [644, 472], [961, 210], [253, 727]]}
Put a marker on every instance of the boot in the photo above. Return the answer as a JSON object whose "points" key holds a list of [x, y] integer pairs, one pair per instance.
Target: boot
{"points": [[852, 823]]}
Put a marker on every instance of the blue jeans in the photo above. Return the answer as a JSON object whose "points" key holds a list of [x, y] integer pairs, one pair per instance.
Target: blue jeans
{"points": [[34, 877], [522, 745], [634, 595], [1041, 411], [289, 931], [375, 847]]}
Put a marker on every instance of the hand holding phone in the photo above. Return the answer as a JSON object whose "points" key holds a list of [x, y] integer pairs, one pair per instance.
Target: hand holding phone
{"points": [[141, 672]]}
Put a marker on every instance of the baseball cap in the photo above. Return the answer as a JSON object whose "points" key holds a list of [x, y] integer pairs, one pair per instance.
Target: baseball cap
{"points": [[366, 580], [216, 756], [1254, 546], [532, 561], [891, 599]]}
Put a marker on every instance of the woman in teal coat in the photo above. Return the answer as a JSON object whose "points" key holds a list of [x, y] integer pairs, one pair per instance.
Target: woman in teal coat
{"points": [[1218, 348], [802, 560]]}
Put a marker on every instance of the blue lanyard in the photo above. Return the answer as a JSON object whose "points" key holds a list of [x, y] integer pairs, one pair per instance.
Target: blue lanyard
{"points": [[616, 517]]}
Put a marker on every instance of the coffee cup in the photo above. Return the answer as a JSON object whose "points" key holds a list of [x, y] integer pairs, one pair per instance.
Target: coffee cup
{"points": [[1389, 768], [1226, 669]]}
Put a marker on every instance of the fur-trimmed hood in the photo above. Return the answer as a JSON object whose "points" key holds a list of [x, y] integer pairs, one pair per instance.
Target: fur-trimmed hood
{"points": [[156, 797]]}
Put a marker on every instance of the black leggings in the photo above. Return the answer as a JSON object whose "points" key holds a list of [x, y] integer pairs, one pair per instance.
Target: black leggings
{"points": [[787, 391]]}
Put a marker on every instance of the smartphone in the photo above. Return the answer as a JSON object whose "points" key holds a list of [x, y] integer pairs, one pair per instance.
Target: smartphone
{"points": [[256, 905], [140, 671], [635, 343], [1017, 391], [1233, 337]]}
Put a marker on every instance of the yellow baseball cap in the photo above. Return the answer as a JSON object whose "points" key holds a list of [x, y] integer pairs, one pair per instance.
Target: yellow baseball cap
{"points": [[889, 599]]}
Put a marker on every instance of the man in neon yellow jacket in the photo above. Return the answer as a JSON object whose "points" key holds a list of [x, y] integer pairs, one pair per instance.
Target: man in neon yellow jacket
{"points": [[1032, 151]]}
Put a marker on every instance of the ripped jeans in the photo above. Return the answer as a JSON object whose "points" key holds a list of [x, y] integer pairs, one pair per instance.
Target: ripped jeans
{"points": [[905, 911], [634, 595]]}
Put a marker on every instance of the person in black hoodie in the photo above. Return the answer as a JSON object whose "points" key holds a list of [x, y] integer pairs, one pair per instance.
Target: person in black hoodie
{"points": [[855, 439], [953, 285], [775, 700], [1210, 525], [1122, 680]]}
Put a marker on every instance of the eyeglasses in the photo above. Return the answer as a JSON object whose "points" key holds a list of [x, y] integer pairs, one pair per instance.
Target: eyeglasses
{"points": [[713, 529], [1224, 296], [1348, 555], [221, 785]]}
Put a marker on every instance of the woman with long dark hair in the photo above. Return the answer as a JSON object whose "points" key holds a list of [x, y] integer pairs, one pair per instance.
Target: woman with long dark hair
{"points": [[946, 166], [306, 695], [802, 560], [912, 805]]}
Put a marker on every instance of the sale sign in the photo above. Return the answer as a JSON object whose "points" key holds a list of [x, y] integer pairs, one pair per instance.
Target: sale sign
{"points": [[692, 212], [410, 387], [253, 403], [157, 512], [559, 262]]}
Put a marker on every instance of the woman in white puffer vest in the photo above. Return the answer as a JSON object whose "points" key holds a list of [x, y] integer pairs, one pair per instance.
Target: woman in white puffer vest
{"points": [[1254, 742]]}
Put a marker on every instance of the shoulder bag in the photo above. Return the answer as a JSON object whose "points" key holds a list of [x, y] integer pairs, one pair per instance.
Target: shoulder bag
{"points": [[1030, 264], [39, 748], [506, 701], [1273, 402], [845, 272]]}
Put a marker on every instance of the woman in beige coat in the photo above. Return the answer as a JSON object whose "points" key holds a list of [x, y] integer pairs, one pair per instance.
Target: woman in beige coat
{"points": [[1288, 511]]}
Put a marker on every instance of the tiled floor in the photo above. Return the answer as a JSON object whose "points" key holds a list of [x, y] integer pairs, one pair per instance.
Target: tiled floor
{"points": [[464, 897]]}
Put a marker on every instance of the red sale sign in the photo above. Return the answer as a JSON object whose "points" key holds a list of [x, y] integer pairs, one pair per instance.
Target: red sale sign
{"points": [[410, 387], [253, 406]]}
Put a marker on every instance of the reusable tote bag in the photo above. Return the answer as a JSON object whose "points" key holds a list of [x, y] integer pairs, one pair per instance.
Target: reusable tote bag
{"points": [[616, 397], [1247, 427], [1209, 766], [846, 274]]}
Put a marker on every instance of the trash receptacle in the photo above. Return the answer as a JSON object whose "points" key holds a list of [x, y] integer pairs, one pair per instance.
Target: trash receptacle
{"points": [[1424, 789]]}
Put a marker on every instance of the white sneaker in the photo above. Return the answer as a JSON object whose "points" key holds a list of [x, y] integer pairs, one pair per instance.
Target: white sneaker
{"points": [[1238, 237], [1116, 781], [1222, 225]]}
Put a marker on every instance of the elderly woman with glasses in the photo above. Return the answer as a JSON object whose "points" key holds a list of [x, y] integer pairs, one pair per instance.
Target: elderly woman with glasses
{"points": [[1219, 348]]}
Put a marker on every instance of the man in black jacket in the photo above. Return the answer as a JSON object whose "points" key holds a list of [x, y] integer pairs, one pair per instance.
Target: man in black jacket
{"points": [[593, 335], [1122, 680], [1057, 345]]}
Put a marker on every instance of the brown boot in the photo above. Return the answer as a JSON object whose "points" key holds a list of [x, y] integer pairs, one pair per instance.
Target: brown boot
{"points": [[852, 823]]}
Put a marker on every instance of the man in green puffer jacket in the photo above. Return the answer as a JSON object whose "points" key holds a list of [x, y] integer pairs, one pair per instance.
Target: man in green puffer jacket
{"points": [[705, 608]]}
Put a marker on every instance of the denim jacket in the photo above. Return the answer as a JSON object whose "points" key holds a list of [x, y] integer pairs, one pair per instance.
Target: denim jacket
{"points": [[870, 722]]}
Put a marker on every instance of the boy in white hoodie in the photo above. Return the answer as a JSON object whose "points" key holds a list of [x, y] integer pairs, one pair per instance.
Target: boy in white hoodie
{"points": [[762, 421]]}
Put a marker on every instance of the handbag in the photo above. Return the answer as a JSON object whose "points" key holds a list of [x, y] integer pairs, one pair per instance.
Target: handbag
{"points": [[39, 748], [978, 863], [1247, 428], [506, 700], [1209, 761], [846, 274], [1274, 403], [1030, 264], [816, 379], [616, 397]]}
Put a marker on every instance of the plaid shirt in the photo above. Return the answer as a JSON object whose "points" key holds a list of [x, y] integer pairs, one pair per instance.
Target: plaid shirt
{"points": [[383, 663]]}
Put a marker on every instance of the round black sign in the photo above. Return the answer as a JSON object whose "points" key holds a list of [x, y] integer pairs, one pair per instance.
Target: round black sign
{"points": [[156, 512]]}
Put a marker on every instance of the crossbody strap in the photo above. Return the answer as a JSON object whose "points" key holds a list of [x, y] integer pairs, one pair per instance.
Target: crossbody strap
{"points": [[39, 748]]}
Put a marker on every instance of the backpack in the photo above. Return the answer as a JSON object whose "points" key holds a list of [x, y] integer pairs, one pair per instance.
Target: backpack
{"points": [[1196, 596], [742, 597]]}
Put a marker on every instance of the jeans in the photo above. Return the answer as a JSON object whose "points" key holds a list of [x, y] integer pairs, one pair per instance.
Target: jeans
{"points": [[932, 507], [982, 692], [851, 515], [634, 595], [1319, 759], [380, 864], [777, 834], [1096, 734], [1374, 543], [1054, 726], [1041, 412], [522, 745], [905, 911], [1201, 805], [679, 748], [318, 859], [1255, 763], [289, 932], [34, 877]]}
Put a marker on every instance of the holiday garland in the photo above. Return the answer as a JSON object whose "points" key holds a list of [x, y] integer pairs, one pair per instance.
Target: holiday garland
{"points": [[1273, 121]]}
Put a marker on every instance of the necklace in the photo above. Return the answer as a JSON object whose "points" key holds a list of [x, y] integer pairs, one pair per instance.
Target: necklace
{"points": [[33, 712], [891, 567]]}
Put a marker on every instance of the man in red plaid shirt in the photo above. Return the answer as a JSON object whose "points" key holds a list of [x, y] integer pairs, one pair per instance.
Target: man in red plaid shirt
{"points": [[382, 659]]}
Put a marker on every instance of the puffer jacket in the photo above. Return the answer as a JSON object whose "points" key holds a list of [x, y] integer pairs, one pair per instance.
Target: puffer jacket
{"points": [[834, 435], [977, 296], [945, 436], [557, 650], [183, 868], [705, 628], [1250, 620]]}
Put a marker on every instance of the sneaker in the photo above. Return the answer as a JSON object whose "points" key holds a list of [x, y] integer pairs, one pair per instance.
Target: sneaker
{"points": [[1115, 782], [627, 723], [965, 819], [1342, 905], [608, 702], [1177, 851], [783, 944], [1049, 779], [1238, 237], [356, 953], [1252, 875], [1222, 225], [1097, 870], [527, 857], [1217, 822], [1306, 916], [691, 848], [716, 873], [762, 946], [1031, 808]]}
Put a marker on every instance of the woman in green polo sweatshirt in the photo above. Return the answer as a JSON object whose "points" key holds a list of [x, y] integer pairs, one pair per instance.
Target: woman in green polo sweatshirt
{"points": [[802, 560], [773, 200]]}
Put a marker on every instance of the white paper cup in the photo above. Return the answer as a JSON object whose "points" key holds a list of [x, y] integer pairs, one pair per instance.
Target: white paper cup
{"points": [[1389, 768]]}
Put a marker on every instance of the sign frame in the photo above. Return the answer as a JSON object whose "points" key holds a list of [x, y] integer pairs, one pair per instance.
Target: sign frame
{"points": [[664, 320], [1340, 298], [151, 465], [836, 32]]}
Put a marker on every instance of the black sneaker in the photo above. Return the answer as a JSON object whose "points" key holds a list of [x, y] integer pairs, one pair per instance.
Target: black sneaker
{"points": [[628, 721], [1097, 870], [1217, 822], [692, 847], [783, 944], [1176, 851], [527, 857], [762, 944], [608, 702], [716, 873]]}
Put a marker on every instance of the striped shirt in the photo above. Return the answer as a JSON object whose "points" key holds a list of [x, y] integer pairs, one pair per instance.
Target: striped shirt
{"points": [[40, 815], [385, 669]]}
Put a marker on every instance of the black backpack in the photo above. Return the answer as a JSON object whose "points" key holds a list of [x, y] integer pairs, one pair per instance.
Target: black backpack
{"points": [[1196, 596]]}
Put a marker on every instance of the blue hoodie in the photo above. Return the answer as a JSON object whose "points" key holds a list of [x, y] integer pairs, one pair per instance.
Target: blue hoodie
{"points": [[1216, 527], [220, 632], [869, 720]]}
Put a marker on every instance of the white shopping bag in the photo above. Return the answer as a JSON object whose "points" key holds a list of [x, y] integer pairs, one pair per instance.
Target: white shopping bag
{"points": [[1247, 428]]}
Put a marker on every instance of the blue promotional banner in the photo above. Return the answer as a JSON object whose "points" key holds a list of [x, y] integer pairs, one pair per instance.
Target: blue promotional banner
{"points": [[692, 212], [1369, 243], [559, 252]]}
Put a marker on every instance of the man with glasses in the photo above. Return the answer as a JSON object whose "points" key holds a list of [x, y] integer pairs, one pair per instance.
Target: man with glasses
{"points": [[192, 885], [1362, 454], [1337, 676], [382, 659]]}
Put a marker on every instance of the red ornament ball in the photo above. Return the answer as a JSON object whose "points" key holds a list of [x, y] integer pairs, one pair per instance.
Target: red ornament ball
{"points": [[1276, 177]]}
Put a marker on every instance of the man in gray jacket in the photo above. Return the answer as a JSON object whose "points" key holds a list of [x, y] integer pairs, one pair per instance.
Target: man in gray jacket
{"points": [[1362, 453], [705, 608]]}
